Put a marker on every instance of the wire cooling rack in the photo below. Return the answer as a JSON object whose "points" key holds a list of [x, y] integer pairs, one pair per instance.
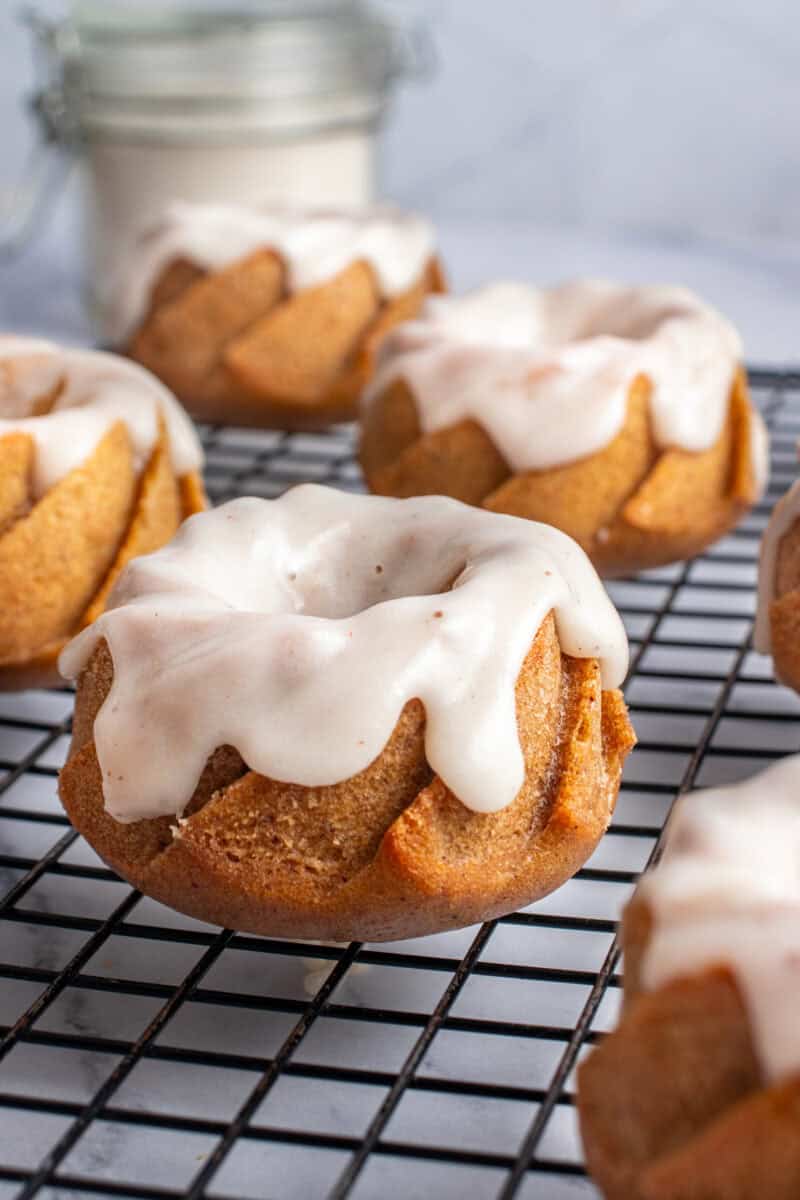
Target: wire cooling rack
{"points": [[147, 1055]]}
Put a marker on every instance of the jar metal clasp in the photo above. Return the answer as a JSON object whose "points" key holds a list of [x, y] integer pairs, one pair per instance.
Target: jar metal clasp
{"points": [[27, 203]]}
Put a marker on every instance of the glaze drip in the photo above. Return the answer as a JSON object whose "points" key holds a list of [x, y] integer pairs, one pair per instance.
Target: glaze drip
{"points": [[297, 629], [727, 893], [314, 246], [546, 372], [67, 399]]}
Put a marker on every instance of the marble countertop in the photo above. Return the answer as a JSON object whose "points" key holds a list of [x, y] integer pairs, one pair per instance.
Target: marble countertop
{"points": [[756, 282]]}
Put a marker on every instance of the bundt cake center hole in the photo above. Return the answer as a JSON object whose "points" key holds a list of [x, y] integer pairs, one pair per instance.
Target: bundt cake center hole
{"points": [[630, 324], [344, 587]]}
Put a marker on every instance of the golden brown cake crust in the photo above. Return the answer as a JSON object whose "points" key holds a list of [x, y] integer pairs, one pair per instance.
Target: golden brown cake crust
{"points": [[751, 1152], [235, 347], [60, 555], [52, 558], [16, 467], [630, 506], [673, 1105], [784, 610], [388, 854]]}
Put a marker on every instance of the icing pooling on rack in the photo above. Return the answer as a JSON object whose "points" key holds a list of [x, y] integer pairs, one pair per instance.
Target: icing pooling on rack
{"points": [[297, 629], [783, 517], [87, 392], [727, 893], [314, 246], [546, 372]]}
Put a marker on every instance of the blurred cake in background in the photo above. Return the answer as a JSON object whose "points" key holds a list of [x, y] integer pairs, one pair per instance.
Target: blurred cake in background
{"points": [[271, 316], [777, 624], [696, 1094], [98, 464], [197, 102], [617, 413]]}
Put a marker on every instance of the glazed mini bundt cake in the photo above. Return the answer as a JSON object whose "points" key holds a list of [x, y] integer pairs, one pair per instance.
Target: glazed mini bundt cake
{"points": [[98, 463], [337, 716], [618, 414], [777, 627], [696, 1094], [265, 317]]}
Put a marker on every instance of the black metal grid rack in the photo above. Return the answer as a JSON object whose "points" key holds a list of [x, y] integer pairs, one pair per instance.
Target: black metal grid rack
{"points": [[146, 1055]]}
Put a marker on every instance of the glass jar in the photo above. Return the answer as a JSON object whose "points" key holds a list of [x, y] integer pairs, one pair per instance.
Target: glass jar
{"points": [[277, 101]]}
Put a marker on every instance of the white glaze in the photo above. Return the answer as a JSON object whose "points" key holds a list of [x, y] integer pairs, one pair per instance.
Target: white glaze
{"points": [[547, 371], [268, 625], [727, 893], [315, 246], [96, 391], [784, 515]]}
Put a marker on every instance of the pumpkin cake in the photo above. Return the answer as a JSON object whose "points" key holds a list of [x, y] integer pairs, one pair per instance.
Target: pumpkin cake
{"points": [[618, 414], [98, 463], [333, 716], [777, 627], [270, 317], [696, 1094]]}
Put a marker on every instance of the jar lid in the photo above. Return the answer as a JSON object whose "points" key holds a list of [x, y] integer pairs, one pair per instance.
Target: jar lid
{"points": [[275, 64]]}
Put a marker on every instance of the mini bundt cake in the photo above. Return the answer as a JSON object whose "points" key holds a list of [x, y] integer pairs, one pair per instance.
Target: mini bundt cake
{"points": [[336, 716], [264, 317], [777, 627], [98, 463], [696, 1094], [618, 414]]}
